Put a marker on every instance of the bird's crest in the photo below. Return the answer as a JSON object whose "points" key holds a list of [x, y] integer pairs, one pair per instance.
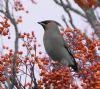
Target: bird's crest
{"points": [[47, 21]]}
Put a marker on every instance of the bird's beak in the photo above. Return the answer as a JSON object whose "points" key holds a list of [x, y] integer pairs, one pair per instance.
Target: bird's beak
{"points": [[40, 23]]}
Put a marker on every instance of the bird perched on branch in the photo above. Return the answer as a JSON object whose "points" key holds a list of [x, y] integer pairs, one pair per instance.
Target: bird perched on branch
{"points": [[56, 46]]}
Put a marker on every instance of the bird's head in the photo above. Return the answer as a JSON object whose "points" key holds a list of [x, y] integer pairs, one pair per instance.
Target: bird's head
{"points": [[49, 24]]}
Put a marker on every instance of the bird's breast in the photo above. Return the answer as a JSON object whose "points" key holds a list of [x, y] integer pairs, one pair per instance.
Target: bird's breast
{"points": [[53, 44]]}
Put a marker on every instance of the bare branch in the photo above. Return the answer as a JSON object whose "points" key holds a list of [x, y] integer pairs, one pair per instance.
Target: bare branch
{"points": [[68, 2], [71, 21], [16, 41], [33, 79], [91, 17], [64, 20], [67, 6]]}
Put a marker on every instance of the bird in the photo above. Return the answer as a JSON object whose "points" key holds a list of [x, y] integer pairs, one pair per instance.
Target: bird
{"points": [[55, 46]]}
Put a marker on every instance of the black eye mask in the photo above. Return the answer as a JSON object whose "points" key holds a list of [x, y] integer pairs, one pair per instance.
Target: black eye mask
{"points": [[47, 21]]}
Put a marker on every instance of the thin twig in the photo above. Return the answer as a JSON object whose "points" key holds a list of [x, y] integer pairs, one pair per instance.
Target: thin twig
{"points": [[71, 8]]}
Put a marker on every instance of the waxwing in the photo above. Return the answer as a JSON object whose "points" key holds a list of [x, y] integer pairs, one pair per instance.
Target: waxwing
{"points": [[55, 46]]}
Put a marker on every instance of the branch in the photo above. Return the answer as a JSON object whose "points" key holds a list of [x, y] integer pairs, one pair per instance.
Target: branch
{"points": [[67, 6], [33, 79], [16, 40], [64, 20], [71, 21], [91, 17], [32, 71]]}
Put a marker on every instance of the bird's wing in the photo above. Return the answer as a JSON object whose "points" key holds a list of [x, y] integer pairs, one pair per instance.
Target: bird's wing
{"points": [[69, 50], [75, 66]]}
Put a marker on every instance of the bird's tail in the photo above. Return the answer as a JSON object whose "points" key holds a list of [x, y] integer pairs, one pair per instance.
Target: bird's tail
{"points": [[75, 67]]}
